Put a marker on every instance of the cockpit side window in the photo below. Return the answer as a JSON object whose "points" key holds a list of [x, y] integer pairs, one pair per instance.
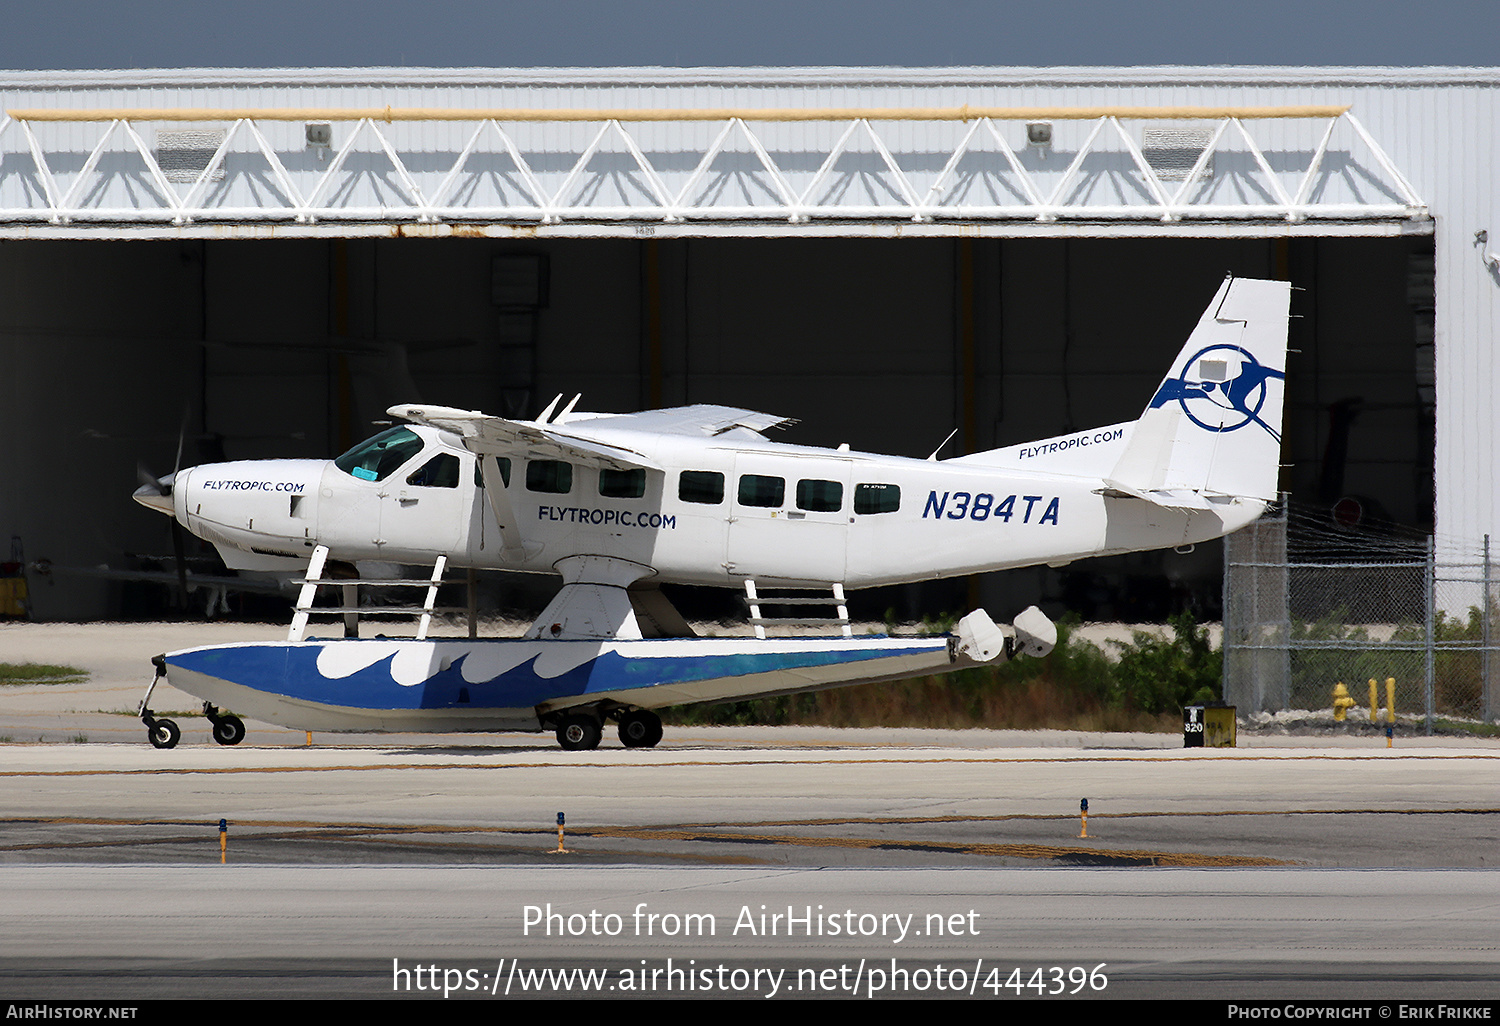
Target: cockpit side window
{"points": [[439, 472], [377, 458]]}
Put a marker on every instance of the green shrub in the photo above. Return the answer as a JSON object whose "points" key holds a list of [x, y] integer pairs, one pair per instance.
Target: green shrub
{"points": [[1157, 675]]}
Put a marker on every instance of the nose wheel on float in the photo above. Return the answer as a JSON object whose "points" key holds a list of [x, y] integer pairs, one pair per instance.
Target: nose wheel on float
{"points": [[162, 733], [228, 729]]}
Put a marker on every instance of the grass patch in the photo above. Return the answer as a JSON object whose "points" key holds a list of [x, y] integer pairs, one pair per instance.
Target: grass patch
{"points": [[41, 673], [1475, 727], [167, 714]]}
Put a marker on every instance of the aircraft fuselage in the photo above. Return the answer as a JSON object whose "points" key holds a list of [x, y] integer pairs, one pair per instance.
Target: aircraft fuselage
{"points": [[721, 511]]}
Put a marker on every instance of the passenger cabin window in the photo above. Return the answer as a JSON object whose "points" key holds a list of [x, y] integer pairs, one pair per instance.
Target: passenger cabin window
{"points": [[377, 458], [820, 496], [503, 462], [758, 490], [877, 498], [702, 486], [439, 472], [549, 476], [622, 484]]}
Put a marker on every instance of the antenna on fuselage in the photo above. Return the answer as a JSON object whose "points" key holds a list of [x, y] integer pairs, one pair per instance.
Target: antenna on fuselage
{"points": [[933, 457], [562, 418], [547, 413]]}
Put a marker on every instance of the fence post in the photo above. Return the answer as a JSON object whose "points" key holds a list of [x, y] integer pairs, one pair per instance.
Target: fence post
{"points": [[1431, 632], [1257, 659], [1486, 702]]}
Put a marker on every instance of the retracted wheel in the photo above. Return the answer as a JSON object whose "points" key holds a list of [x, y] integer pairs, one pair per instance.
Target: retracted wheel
{"points": [[579, 732], [640, 728], [163, 734], [229, 730]]}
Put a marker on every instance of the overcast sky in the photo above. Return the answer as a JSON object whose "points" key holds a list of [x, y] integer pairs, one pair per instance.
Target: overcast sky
{"points": [[89, 34]]}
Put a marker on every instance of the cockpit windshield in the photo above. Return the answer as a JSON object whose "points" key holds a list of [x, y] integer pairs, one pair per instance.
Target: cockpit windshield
{"points": [[376, 458]]}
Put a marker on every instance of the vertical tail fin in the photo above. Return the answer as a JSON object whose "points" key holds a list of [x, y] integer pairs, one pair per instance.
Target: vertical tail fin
{"points": [[1213, 428]]}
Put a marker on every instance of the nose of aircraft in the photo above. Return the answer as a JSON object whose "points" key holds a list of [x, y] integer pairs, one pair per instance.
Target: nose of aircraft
{"points": [[155, 492]]}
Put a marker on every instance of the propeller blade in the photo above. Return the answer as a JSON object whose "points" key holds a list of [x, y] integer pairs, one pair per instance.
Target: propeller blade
{"points": [[181, 436], [147, 480]]}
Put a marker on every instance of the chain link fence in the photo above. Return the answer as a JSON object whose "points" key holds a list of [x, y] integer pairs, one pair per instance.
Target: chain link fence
{"points": [[1308, 606]]}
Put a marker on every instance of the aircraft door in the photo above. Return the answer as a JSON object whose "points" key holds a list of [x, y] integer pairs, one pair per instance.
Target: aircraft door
{"points": [[789, 518], [425, 509]]}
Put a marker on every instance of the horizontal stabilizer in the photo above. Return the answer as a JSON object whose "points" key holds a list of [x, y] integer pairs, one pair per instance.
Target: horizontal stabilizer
{"points": [[1171, 498]]}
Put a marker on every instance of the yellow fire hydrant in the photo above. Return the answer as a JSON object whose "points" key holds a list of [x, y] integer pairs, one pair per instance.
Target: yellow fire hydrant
{"points": [[1342, 703]]}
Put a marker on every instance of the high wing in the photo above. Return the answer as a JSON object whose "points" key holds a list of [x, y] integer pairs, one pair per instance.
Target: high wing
{"points": [[486, 435]]}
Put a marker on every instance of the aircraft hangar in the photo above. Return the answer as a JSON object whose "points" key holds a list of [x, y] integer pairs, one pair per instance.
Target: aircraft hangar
{"points": [[208, 264]]}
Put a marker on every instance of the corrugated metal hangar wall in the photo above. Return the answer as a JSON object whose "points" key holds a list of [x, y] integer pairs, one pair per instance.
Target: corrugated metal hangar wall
{"points": [[881, 280]]}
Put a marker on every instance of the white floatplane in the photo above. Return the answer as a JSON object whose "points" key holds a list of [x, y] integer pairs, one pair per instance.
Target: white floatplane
{"points": [[619, 504]]}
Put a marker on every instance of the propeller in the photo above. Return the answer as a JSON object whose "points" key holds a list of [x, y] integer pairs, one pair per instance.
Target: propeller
{"points": [[156, 493]]}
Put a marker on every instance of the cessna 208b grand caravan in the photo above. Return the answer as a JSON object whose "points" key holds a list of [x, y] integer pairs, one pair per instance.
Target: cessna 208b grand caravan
{"points": [[618, 504]]}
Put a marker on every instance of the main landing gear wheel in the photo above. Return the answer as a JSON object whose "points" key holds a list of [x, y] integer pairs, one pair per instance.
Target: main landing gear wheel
{"points": [[163, 734], [579, 733], [229, 730], [640, 728]]}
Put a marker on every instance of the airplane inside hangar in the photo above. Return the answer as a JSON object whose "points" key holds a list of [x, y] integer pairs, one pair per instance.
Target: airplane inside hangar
{"points": [[296, 348], [264, 278]]}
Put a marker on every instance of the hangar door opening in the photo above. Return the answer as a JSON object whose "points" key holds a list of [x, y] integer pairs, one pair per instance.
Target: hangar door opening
{"points": [[245, 349]]}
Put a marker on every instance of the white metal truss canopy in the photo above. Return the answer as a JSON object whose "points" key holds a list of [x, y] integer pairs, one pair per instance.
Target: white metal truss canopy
{"points": [[209, 171]]}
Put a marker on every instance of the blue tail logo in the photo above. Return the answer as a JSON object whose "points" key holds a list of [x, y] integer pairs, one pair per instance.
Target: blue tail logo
{"points": [[1217, 380]]}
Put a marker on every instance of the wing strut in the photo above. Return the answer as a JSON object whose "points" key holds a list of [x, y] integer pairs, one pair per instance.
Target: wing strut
{"points": [[500, 505]]}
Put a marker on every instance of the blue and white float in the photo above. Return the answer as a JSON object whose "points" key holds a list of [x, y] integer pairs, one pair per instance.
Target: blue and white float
{"points": [[509, 684]]}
